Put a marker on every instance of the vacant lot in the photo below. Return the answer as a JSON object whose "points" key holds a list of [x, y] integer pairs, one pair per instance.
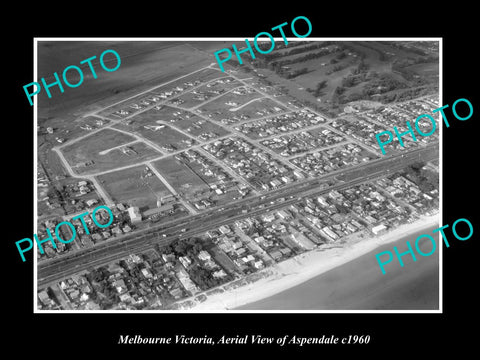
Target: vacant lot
{"points": [[185, 121], [167, 138], [231, 100], [180, 176], [150, 127], [134, 187], [257, 107], [104, 151], [199, 127], [206, 92]]}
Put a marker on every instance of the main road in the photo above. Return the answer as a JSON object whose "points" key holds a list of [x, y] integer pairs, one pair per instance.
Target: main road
{"points": [[53, 270]]}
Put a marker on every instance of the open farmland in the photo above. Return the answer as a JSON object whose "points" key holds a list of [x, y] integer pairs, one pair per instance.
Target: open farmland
{"points": [[139, 71], [136, 186], [106, 150], [171, 89]]}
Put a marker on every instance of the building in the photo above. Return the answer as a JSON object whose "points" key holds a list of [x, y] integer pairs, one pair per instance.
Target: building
{"points": [[168, 198], [158, 210], [204, 256], [135, 216], [379, 229], [224, 229], [91, 202], [330, 233]]}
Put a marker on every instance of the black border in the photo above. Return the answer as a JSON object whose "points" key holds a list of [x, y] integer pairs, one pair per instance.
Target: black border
{"points": [[60, 334]]}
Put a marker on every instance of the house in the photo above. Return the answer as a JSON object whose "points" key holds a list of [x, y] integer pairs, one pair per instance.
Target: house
{"points": [[187, 283], [146, 273], [43, 297], [176, 293], [168, 257], [275, 183], [224, 229], [203, 255], [269, 217], [236, 245], [116, 230], [283, 214], [96, 237], [125, 298], [185, 260], [120, 286], [379, 229], [330, 233], [219, 274], [240, 251], [91, 202], [276, 255], [258, 264], [322, 201]]}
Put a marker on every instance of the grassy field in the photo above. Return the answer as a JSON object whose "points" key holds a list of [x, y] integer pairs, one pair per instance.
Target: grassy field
{"points": [[132, 187], [331, 74], [166, 138], [174, 118], [217, 109], [189, 180], [94, 148], [196, 126], [191, 98], [182, 179], [53, 163], [150, 116], [220, 103]]}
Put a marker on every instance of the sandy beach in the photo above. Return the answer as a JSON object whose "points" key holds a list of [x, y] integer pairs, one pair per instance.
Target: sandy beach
{"points": [[304, 267]]}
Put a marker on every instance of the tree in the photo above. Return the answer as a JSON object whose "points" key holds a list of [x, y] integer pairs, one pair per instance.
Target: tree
{"points": [[197, 247], [181, 247], [320, 86], [339, 90]]}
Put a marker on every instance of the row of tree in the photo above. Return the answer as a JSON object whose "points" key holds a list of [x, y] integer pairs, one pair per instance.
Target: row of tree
{"points": [[427, 180], [296, 50]]}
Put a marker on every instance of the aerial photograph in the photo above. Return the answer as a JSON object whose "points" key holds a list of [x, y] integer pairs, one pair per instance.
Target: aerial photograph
{"points": [[254, 186]]}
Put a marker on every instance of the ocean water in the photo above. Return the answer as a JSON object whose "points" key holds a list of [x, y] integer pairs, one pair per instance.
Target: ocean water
{"points": [[360, 284]]}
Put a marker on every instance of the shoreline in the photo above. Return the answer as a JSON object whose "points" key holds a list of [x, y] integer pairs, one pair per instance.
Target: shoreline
{"points": [[300, 269]]}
